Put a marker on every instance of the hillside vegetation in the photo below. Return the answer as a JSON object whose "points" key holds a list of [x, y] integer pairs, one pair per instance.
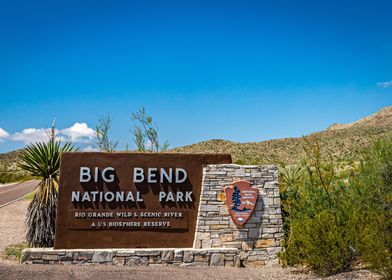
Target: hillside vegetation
{"points": [[9, 170], [341, 140]]}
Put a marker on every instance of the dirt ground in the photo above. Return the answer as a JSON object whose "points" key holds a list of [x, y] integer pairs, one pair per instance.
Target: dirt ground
{"points": [[12, 231]]}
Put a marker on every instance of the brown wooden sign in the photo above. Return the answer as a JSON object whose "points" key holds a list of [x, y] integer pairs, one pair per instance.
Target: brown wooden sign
{"points": [[129, 200], [241, 200]]}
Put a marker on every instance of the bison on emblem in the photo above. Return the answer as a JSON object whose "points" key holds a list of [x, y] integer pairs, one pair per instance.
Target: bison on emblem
{"points": [[241, 200]]}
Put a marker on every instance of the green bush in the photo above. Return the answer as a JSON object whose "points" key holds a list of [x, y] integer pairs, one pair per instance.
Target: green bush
{"points": [[373, 204], [339, 213], [314, 206]]}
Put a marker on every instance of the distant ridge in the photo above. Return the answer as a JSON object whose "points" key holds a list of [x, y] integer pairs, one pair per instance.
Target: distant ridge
{"points": [[342, 139]]}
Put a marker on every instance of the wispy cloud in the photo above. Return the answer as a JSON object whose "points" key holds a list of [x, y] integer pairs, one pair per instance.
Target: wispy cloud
{"points": [[386, 84], [77, 133]]}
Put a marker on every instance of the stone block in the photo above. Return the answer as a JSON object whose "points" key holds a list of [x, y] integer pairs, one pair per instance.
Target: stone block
{"points": [[102, 256], [188, 256], [154, 259], [136, 261], [203, 235], [264, 243], [167, 256], [267, 201], [217, 259], [247, 245], [227, 237], [83, 255], [240, 234], [215, 227], [206, 243], [118, 260], [124, 253], [35, 255], [274, 250], [46, 257], [243, 256], [271, 230], [237, 261], [148, 253], [201, 258], [255, 233], [178, 254], [209, 208]]}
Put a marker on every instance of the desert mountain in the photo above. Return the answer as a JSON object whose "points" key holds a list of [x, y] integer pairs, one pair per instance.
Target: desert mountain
{"points": [[343, 140]]}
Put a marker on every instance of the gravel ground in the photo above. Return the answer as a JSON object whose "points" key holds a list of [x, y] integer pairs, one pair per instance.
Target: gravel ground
{"points": [[12, 231], [12, 228]]}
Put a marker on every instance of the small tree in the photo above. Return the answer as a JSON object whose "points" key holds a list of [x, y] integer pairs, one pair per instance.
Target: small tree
{"points": [[145, 133], [102, 135]]}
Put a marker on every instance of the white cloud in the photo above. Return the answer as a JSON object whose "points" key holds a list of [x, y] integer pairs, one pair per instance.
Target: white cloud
{"points": [[79, 132], [30, 135], [386, 84], [3, 133]]}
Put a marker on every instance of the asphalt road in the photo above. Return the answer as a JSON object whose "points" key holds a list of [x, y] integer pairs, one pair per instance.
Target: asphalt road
{"points": [[13, 192]]}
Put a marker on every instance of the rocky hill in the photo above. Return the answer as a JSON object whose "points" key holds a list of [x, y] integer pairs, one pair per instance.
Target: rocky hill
{"points": [[9, 170], [341, 140]]}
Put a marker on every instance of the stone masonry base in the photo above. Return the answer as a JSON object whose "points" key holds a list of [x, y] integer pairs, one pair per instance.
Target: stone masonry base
{"points": [[230, 257], [218, 241]]}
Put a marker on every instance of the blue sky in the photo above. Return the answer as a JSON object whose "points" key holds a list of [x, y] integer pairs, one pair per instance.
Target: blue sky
{"points": [[237, 70]]}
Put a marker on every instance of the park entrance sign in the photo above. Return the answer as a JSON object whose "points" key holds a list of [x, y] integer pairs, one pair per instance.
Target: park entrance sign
{"points": [[130, 200], [164, 209]]}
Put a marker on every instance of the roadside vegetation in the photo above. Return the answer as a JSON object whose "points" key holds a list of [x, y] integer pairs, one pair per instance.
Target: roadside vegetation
{"points": [[338, 214], [7, 177], [14, 251]]}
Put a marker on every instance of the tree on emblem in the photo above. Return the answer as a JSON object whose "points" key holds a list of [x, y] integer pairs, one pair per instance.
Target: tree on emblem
{"points": [[236, 200]]}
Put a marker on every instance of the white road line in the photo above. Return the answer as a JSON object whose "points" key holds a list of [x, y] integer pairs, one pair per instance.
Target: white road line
{"points": [[7, 185], [13, 189], [15, 200]]}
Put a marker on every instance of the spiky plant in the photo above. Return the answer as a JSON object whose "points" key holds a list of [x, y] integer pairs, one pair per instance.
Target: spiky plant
{"points": [[42, 160]]}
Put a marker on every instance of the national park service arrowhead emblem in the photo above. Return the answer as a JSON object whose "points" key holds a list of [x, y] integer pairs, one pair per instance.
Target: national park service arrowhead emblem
{"points": [[241, 200]]}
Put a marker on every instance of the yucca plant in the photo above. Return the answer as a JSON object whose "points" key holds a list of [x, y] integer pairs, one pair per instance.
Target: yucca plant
{"points": [[42, 160]]}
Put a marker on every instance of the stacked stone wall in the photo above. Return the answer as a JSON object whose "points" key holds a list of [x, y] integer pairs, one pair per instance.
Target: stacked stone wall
{"points": [[260, 239]]}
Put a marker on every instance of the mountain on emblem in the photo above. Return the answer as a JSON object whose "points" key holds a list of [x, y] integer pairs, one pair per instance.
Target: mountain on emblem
{"points": [[241, 200]]}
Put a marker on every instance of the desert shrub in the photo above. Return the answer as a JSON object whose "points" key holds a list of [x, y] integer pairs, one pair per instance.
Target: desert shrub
{"points": [[373, 204], [316, 213], [339, 213]]}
